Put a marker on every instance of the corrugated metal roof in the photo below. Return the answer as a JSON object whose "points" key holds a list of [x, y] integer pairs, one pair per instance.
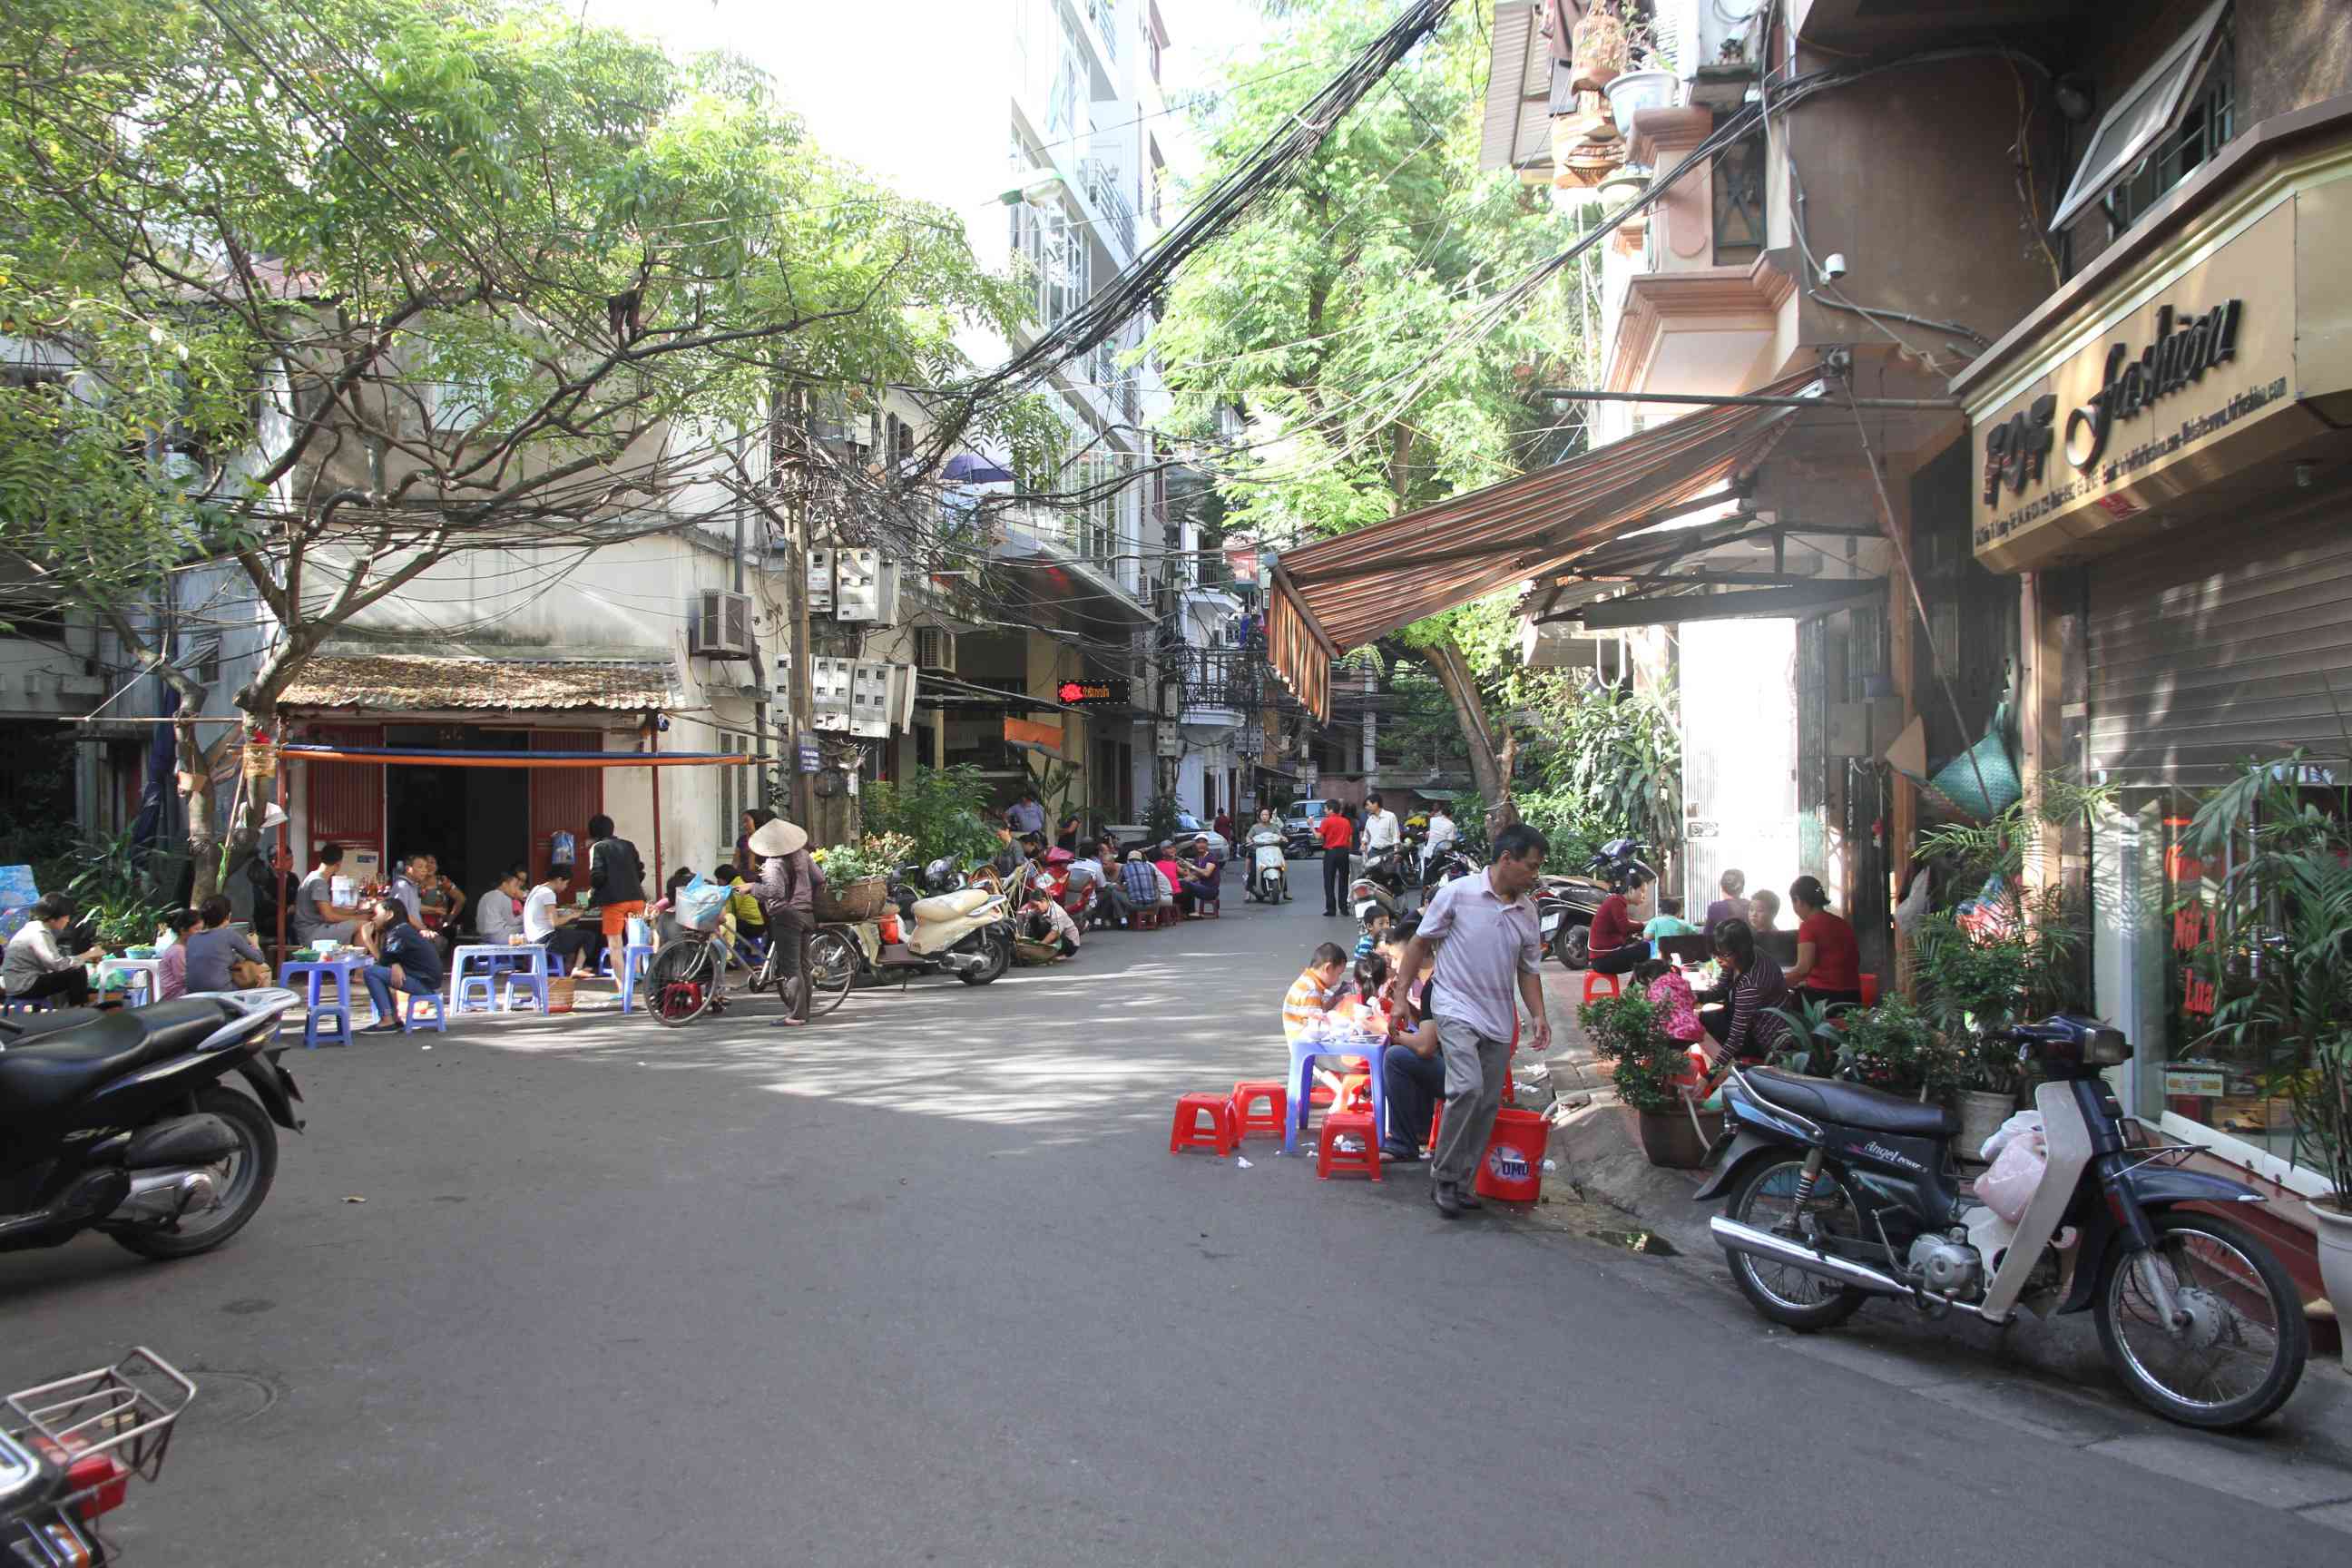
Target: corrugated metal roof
{"points": [[1517, 130], [423, 682], [1345, 592]]}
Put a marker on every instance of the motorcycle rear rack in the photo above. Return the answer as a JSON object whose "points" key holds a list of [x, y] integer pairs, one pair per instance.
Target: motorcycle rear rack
{"points": [[126, 1413]]}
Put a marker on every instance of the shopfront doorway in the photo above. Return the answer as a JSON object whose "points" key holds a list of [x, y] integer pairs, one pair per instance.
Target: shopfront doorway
{"points": [[476, 819]]}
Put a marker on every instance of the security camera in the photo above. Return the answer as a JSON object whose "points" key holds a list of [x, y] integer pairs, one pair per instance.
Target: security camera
{"points": [[1833, 267]]}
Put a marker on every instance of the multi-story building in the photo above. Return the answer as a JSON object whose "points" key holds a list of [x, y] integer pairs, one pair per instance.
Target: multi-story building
{"points": [[2067, 281], [1044, 131]]}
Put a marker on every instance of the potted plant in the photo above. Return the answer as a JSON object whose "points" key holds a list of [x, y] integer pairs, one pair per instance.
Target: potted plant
{"points": [[2281, 961], [1893, 1046], [1644, 1066]]}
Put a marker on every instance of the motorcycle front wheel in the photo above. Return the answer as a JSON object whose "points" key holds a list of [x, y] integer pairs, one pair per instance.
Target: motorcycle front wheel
{"points": [[250, 1171], [2241, 1350], [1766, 1199]]}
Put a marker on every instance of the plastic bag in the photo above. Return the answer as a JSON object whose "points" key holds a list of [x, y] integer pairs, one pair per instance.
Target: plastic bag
{"points": [[700, 904], [2010, 1186], [2016, 1127]]}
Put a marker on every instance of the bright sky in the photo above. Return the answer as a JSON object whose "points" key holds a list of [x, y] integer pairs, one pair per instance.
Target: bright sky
{"points": [[824, 58]]}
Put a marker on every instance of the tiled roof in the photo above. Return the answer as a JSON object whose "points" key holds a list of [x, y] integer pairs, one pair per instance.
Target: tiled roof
{"points": [[427, 681]]}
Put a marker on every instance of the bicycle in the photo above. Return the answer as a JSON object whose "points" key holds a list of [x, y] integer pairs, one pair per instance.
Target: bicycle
{"points": [[689, 977]]}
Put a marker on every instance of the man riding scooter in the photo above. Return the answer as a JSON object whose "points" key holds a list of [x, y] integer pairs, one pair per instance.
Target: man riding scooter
{"points": [[1269, 876]]}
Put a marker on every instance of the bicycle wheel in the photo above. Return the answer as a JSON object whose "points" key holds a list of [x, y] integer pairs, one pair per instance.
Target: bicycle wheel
{"points": [[832, 966], [679, 983]]}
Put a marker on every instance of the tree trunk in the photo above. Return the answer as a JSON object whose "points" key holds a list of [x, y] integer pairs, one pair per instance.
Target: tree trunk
{"points": [[204, 841], [1486, 770]]}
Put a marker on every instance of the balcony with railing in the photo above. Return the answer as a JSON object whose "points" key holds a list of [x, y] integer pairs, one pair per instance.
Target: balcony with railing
{"points": [[1221, 686], [1104, 14], [1104, 193]]}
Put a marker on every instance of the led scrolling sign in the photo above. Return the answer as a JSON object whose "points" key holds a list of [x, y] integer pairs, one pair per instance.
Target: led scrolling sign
{"points": [[2016, 451]]}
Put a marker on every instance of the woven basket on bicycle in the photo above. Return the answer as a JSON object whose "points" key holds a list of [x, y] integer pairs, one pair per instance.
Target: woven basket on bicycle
{"points": [[858, 901]]}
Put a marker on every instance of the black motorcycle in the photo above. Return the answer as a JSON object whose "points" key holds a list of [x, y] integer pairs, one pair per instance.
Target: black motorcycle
{"points": [[1565, 905], [1838, 1193], [121, 1122]]}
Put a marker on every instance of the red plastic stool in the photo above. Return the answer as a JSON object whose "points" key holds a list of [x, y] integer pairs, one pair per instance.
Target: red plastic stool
{"points": [[1188, 1133], [1247, 1119], [1330, 1157], [1869, 990], [1592, 980], [1436, 1120]]}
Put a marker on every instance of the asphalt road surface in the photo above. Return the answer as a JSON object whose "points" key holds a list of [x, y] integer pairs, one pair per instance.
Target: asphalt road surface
{"points": [[921, 1283]]}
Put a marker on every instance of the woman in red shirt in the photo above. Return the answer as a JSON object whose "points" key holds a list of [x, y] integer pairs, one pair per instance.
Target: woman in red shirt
{"points": [[1615, 946], [1829, 962]]}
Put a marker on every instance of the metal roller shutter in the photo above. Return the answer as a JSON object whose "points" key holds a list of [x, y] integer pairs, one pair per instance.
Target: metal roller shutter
{"points": [[2229, 643]]}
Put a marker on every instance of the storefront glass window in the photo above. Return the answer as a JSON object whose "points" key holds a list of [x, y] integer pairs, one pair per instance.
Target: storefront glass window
{"points": [[2243, 1088]]}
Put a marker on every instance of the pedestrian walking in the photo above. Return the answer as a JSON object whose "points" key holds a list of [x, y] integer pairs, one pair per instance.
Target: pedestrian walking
{"points": [[1483, 934], [1337, 835]]}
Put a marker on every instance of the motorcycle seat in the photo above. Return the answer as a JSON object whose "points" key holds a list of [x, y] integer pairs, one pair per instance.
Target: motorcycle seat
{"points": [[62, 1067], [1853, 1105], [951, 906]]}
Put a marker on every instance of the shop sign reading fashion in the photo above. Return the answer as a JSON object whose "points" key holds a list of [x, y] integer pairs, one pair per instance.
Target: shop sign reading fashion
{"points": [[2168, 399]]}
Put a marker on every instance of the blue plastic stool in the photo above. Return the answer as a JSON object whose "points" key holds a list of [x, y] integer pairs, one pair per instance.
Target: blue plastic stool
{"points": [[340, 1014], [1303, 1054], [416, 1003], [474, 989], [528, 976], [635, 959]]}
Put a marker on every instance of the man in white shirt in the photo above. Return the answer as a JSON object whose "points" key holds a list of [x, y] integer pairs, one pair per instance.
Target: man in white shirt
{"points": [[547, 922], [1442, 832], [1382, 829], [495, 917]]}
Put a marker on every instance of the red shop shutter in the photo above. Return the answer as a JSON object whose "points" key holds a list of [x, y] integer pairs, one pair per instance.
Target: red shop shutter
{"points": [[345, 799], [563, 799]]}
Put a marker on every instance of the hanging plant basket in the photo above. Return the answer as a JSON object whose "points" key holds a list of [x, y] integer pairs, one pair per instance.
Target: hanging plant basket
{"points": [[1600, 51]]}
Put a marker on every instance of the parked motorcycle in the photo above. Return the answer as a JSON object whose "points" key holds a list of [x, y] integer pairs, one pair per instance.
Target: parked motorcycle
{"points": [[1565, 905], [1269, 878], [1449, 864], [1838, 1193], [121, 1122], [1379, 886], [69, 1449], [949, 928]]}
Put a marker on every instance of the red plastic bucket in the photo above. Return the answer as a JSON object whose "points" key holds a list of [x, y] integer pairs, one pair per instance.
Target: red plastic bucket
{"points": [[1511, 1171]]}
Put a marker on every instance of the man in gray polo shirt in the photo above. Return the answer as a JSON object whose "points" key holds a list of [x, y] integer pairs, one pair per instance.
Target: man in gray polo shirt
{"points": [[1484, 935]]}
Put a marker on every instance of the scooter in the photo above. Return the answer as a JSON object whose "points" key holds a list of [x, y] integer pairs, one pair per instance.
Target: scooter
{"points": [[955, 930], [118, 1123], [1379, 886], [1838, 1193], [1449, 864], [1270, 879], [69, 1449]]}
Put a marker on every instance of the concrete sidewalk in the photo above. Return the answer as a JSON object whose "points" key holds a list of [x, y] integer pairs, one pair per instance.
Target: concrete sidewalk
{"points": [[2046, 1377]]}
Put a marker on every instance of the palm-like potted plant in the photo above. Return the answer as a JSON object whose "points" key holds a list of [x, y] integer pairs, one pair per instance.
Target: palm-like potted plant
{"points": [[1645, 1064], [2282, 962]]}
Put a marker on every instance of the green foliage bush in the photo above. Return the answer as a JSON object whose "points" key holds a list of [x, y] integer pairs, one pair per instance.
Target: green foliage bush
{"points": [[941, 809]]}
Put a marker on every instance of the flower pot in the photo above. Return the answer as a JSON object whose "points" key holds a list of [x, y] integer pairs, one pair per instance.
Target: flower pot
{"points": [[1981, 1114], [1600, 46], [2335, 1222], [1669, 1139], [1636, 90]]}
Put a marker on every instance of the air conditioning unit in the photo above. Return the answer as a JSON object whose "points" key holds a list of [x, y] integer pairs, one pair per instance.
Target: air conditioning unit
{"points": [[722, 626], [935, 649]]}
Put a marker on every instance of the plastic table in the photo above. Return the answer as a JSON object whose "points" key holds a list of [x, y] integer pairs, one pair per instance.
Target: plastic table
{"points": [[483, 952]]}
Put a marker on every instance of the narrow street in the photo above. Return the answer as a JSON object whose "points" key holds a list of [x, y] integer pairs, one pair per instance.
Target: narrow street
{"points": [[921, 1283]]}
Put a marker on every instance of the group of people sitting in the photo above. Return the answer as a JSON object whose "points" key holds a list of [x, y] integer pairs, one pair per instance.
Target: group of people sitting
{"points": [[1739, 1015], [1061, 891]]}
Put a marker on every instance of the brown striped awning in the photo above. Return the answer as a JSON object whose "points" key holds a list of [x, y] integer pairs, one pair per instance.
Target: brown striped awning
{"points": [[1342, 592]]}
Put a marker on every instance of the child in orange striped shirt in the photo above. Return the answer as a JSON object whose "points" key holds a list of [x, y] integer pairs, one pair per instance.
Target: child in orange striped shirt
{"points": [[1307, 1006]]}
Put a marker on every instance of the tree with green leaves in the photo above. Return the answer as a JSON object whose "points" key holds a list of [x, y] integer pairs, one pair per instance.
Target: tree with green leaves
{"points": [[1338, 317], [334, 290]]}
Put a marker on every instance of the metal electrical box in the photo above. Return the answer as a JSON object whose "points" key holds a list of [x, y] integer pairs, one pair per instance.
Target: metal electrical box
{"points": [[857, 584], [830, 681], [820, 582], [869, 700]]}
